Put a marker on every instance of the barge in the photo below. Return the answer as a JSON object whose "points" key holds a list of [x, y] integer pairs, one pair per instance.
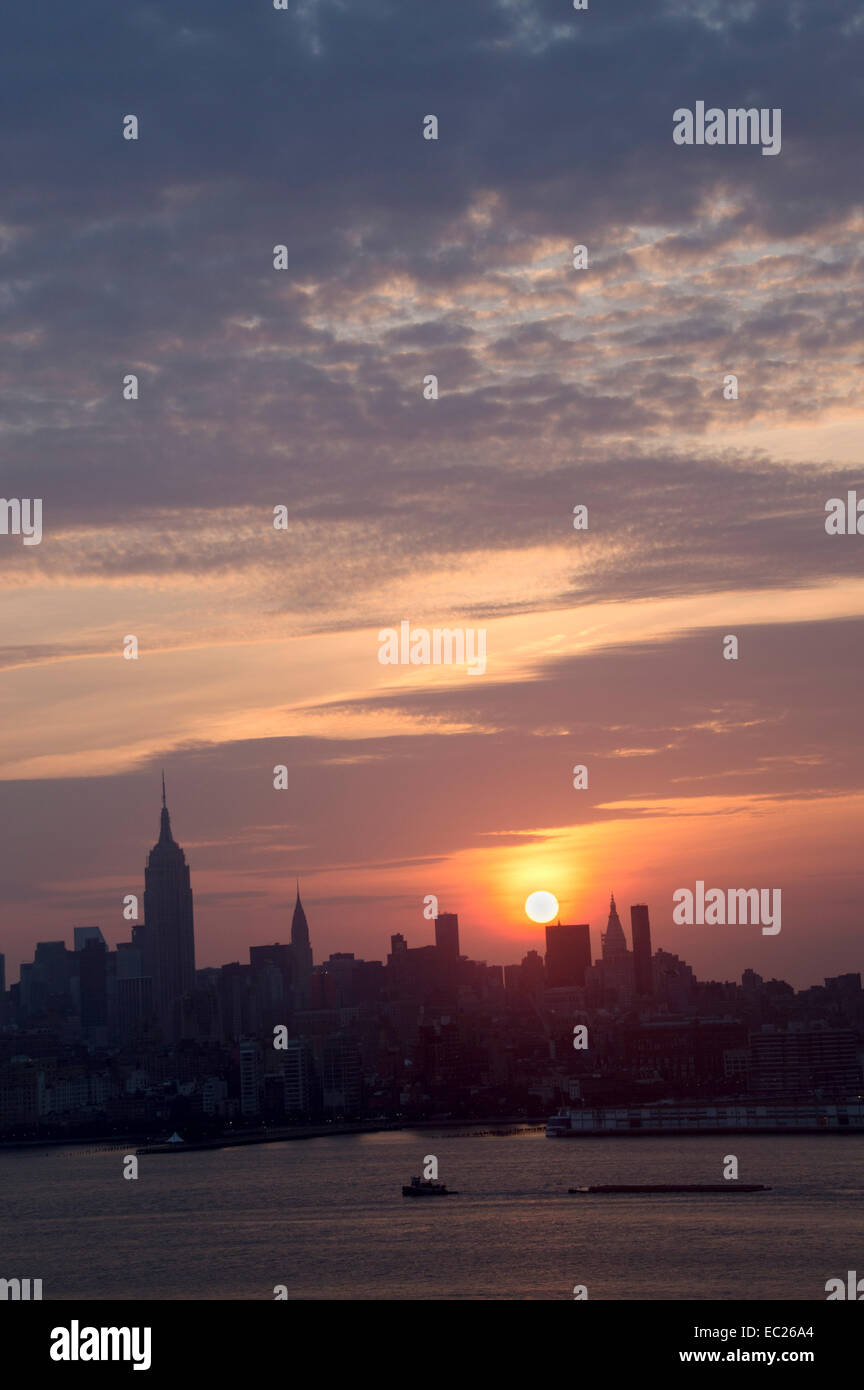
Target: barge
{"points": [[695, 1117], [674, 1187]]}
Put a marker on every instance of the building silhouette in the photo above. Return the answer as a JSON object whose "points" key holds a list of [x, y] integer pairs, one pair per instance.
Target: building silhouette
{"points": [[447, 934], [134, 1039], [568, 954], [301, 953], [93, 977], [640, 928], [613, 940], [168, 934], [610, 980]]}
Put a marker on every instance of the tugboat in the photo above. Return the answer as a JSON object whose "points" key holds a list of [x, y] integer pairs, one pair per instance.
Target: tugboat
{"points": [[427, 1187]]}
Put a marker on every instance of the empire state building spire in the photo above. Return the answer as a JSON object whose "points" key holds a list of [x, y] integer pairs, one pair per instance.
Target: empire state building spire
{"points": [[165, 836]]}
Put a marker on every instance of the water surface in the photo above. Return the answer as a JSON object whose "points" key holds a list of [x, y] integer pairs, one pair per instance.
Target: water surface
{"points": [[326, 1218]]}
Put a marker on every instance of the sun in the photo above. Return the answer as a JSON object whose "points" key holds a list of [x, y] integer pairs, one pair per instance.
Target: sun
{"points": [[541, 907]]}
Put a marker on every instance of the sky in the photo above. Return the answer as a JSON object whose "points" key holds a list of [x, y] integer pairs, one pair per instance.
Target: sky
{"points": [[558, 387]]}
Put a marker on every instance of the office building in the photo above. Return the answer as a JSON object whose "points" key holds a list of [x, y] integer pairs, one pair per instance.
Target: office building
{"points": [[640, 928], [568, 954], [447, 934]]}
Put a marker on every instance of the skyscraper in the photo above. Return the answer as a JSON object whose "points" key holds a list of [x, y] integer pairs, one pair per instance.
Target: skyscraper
{"points": [[641, 930], [447, 934], [568, 954], [92, 962], [250, 1077], [84, 934], [301, 953], [614, 942], [169, 939], [298, 1074]]}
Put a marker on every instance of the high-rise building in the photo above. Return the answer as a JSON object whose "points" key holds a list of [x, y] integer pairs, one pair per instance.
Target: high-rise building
{"points": [[250, 1077], [84, 934], [130, 964], [301, 953], [568, 954], [447, 934], [298, 1075], [2, 974], [614, 942], [341, 1075], [134, 1006], [278, 955], [640, 928], [272, 974], [169, 940], [54, 965], [674, 981], [92, 959], [46, 985]]}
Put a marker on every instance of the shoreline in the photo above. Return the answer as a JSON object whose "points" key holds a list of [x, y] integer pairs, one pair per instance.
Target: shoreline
{"points": [[467, 1129], [139, 1145]]}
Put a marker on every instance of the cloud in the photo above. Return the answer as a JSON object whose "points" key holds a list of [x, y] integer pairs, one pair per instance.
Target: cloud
{"points": [[304, 388]]}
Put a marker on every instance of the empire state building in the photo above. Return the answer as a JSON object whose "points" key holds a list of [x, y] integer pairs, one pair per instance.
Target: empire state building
{"points": [[168, 930]]}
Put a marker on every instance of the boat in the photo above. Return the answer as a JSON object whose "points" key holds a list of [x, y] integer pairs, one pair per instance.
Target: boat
{"points": [[427, 1187], [697, 1117], [675, 1187]]}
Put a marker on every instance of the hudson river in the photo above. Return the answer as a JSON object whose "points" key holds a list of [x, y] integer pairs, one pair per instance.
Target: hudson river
{"points": [[326, 1218]]}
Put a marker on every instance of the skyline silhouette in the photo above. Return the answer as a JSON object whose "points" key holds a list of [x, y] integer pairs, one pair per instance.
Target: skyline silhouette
{"points": [[819, 935], [165, 935]]}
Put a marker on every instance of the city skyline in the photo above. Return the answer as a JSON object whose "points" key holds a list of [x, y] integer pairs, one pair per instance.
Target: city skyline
{"points": [[431, 543], [167, 878], [137, 1036]]}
